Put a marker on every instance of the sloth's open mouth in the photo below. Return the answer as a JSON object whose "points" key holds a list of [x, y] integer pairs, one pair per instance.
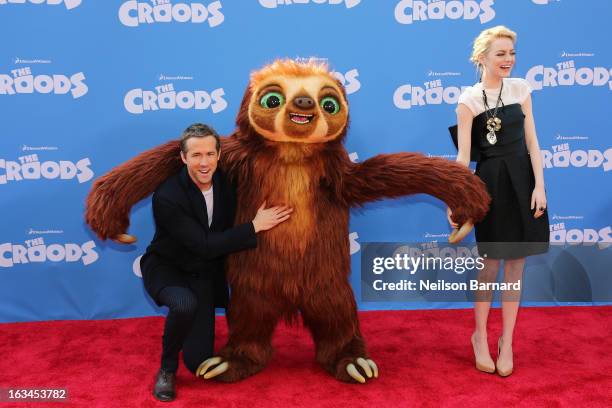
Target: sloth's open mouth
{"points": [[301, 118]]}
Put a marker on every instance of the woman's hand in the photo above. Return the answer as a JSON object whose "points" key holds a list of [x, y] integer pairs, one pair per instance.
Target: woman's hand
{"points": [[452, 223], [538, 201], [458, 233]]}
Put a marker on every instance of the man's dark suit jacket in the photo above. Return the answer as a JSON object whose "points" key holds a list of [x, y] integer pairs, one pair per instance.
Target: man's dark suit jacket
{"points": [[184, 240]]}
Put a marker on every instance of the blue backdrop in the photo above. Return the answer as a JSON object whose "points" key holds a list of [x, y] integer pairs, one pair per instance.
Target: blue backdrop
{"points": [[78, 95]]}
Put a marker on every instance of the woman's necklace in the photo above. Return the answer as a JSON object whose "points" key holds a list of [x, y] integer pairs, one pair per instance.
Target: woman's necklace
{"points": [[493, 122]]}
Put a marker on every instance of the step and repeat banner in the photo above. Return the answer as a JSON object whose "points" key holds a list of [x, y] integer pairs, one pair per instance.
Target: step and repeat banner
{"points": [[88, 84]]}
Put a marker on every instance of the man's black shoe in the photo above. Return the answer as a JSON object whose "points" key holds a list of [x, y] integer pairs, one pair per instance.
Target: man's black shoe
{"points": [[165, 386]]}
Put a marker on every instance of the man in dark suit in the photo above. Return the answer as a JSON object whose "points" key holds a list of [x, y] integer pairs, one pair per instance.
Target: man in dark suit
{"points": [[183, 267]]}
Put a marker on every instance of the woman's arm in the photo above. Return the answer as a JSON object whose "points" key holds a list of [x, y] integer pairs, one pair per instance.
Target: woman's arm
{"points": [[464, 131], [464, 142], [538, 197]]}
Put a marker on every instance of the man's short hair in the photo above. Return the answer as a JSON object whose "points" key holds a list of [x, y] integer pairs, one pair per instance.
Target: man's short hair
{"points": [[199, 130]]}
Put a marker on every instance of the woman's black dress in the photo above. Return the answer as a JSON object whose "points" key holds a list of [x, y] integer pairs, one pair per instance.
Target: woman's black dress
{"points": [[509, 230]]}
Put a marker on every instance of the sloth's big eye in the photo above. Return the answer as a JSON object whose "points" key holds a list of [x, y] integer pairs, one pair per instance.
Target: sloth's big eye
{"points": [[272, 100], [330, 105]]}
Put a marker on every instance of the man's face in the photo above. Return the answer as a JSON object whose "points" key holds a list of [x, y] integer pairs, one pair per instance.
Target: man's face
{"points": [[201, 160]]}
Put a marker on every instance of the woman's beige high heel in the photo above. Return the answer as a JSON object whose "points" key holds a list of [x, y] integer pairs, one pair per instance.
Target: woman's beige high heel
{"points": [[502, 371], [481, 363]]}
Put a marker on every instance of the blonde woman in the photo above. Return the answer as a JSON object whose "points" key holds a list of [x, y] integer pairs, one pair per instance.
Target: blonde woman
{"points": [[495, 119]]}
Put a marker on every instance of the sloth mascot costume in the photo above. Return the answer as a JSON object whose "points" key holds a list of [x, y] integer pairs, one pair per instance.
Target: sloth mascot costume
{"points": [[288, 149]]}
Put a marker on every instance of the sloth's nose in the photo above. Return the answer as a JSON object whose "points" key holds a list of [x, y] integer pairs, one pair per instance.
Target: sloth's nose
{"points": [[304, 102]]}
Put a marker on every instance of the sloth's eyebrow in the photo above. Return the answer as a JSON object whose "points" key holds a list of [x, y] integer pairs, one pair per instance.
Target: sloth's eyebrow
{"points": [[329, 87], [272, 85]]}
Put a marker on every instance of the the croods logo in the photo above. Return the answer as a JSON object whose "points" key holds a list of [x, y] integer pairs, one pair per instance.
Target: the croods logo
{"points": [[23, 81], [30, 167], [433, 248], [138, 100], [133, 13], [561, 234], [411, 11], [430, 93], [349, 80], [70, 4], [37, 250], [563, 155], [567, 73], [271, 4]]}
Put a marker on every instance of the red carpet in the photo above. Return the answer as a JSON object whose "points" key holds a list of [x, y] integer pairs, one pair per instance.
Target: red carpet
{"points": [[563, 358]]}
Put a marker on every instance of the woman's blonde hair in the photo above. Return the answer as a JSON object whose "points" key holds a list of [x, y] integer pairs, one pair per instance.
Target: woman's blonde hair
{"points": [[485, 38]]}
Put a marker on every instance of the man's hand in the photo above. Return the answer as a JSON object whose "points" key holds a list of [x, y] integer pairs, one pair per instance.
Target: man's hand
{"points": [[267, 218]]}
